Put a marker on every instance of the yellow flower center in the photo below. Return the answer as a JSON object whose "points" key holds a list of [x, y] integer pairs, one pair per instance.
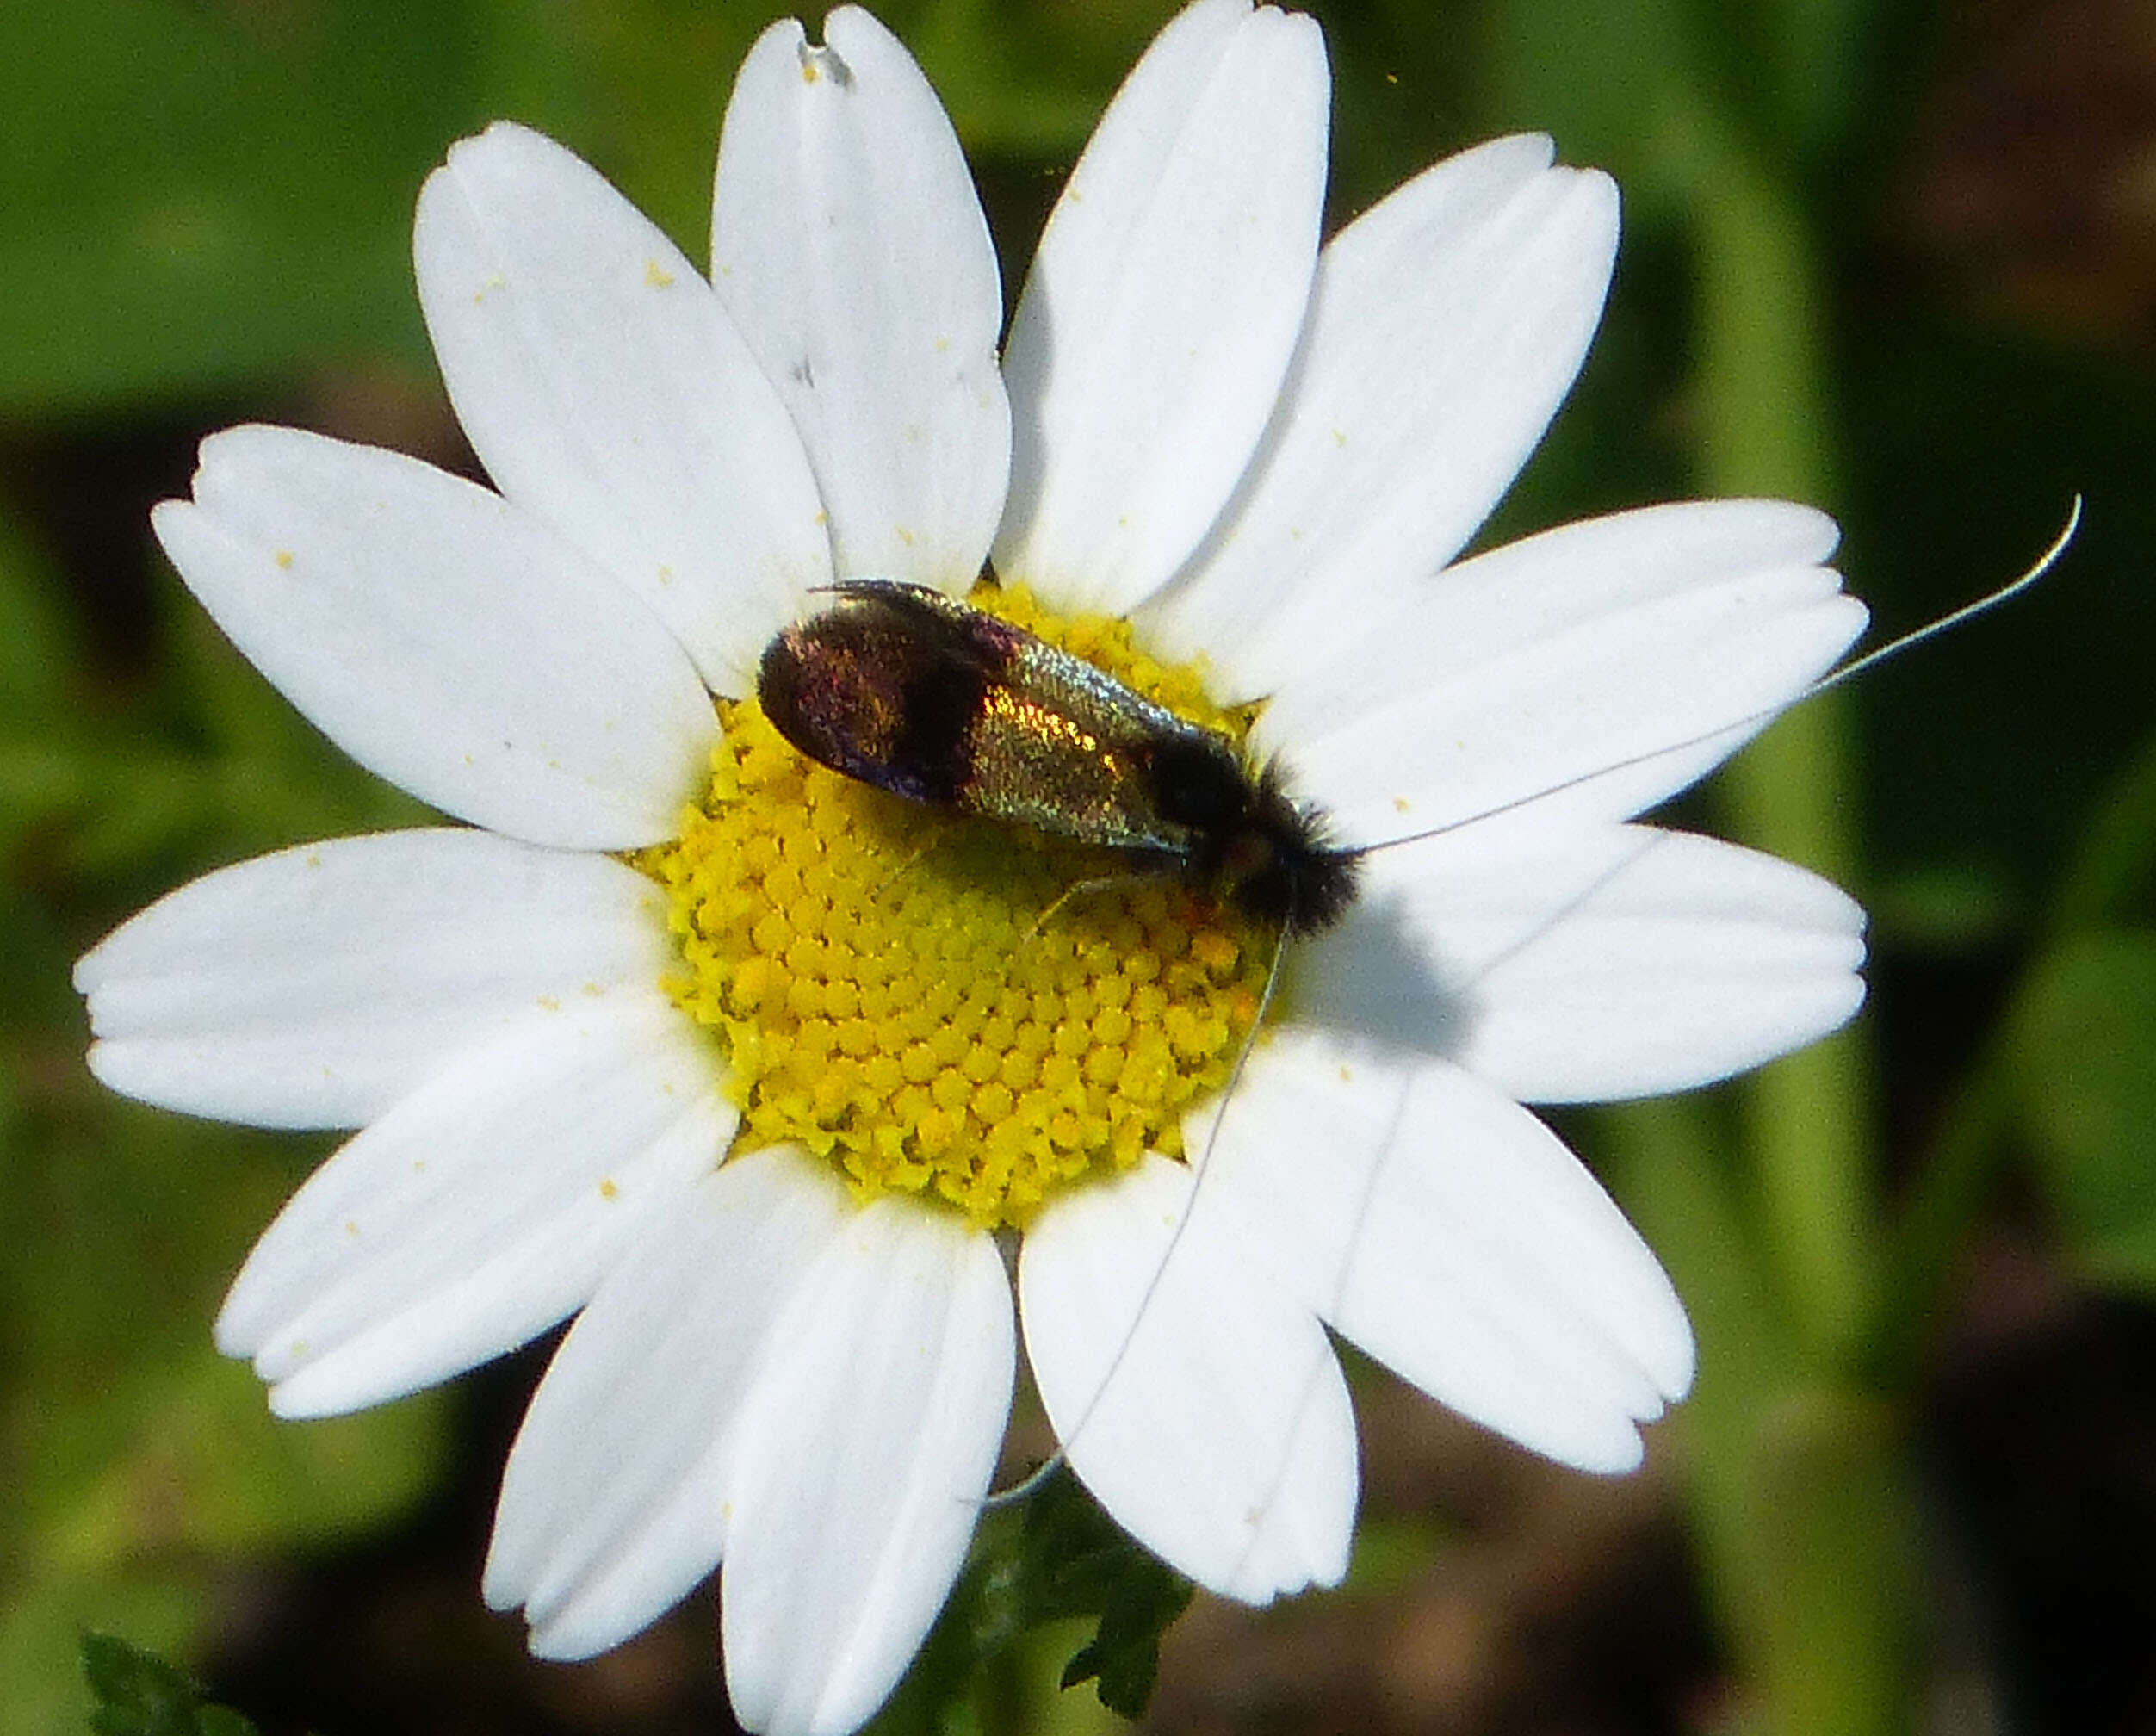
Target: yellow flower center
{"points": [[954, 1007]]}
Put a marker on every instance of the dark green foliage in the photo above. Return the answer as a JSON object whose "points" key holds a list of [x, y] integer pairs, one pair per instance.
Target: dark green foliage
{"points": [[1051, 1560], [139, 1694], [1075, 1561]]}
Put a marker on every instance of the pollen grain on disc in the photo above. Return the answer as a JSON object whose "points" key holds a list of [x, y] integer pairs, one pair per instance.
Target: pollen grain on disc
{"points": [[921, 998]]}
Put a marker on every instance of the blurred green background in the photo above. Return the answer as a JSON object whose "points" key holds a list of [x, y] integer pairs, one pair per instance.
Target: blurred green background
{"points": [[1897, 257]]}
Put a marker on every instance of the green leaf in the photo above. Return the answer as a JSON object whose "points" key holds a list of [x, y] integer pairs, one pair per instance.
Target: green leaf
{"points": [[1075, 1561], [2082, 1047], [138, 1694], [1040, 1572], [43, 1623]]}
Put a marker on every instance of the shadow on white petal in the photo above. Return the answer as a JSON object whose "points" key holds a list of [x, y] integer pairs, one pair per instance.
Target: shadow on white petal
{"points": [[1603, 963], [1376, 975]]}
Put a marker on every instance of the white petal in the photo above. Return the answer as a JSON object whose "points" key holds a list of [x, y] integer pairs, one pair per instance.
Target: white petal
{"points": [[847, 240], [1587, 673], [610, 396], [479, 1211], [613, 1505], [1198, 1399], [1625, 962], [860, 1465], [443, 639], [1445, 325], [315, 987], [1164, 304], [1451, 1235]]}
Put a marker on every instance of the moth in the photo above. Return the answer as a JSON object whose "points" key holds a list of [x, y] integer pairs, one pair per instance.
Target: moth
{"points": [[904, 688]]}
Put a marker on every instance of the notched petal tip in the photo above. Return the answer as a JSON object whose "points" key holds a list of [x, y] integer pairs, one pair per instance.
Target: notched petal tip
{"points": [[1308, 36], [1665, 1351], [236, 1337], [1786, 532], [1599, 193], [235, 444], [501, 152], [564, 1641], [91, 972], [1220, 14], [824, 65], [98, 1058], [247, 1327], [503, 134], [1677, 1377], [167, 515], [777, 34], [231, 466], [1539, 147], [502, 1588], [500, 149], [1623, 1459], [1584, 210], [854, 31], [298, 1400]]}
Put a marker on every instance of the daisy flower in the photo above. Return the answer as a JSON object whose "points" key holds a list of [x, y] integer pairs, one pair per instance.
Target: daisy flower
{"points": [[760, 1073]]}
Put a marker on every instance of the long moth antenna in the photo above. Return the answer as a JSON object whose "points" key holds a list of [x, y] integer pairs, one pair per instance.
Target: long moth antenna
{"points": [[1826, 683], [1846, 673]]}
